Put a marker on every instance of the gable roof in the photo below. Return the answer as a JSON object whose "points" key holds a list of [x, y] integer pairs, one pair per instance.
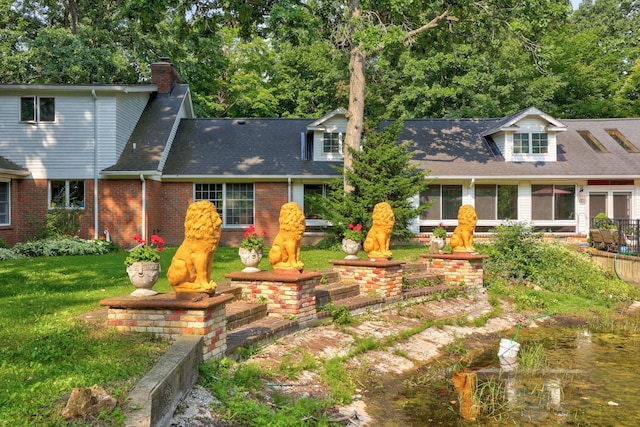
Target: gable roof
{"points": [[456, 148], [509, 122], [256, 148], [148, 142]]}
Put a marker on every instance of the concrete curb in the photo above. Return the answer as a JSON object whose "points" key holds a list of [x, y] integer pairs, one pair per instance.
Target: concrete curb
{"points": [[155, 398]]}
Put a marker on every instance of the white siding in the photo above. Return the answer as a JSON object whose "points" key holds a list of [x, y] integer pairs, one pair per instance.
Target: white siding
{"points": [[60, 149], [334, 125], [524, 202], [106, 130]]}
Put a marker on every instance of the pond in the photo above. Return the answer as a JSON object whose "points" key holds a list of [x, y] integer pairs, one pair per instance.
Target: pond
{"points": [[585, 379]]}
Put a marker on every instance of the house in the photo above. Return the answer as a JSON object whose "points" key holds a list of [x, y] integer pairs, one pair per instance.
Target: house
{"points": [[129, 159]]}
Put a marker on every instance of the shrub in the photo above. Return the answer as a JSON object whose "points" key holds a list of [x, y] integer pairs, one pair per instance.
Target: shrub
{"points": [[7, 254], [515, 251], [63, 246]]}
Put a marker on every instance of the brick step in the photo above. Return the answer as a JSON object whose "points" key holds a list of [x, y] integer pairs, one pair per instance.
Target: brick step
{"points": [[227, 287], [355, 304], [240, 313], [415, 267], [329, 276], [428, 290], [429, 279], [260, 332], [334, 292]]}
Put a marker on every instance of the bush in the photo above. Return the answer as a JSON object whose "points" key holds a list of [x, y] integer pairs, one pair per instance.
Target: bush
{"points": [[8, 254], [515, 251], [63, 246]]}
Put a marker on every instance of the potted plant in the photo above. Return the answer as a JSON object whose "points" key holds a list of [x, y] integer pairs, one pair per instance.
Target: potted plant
{"points": [[439, 236], [351, 240], [143, 264], [251, 248]]}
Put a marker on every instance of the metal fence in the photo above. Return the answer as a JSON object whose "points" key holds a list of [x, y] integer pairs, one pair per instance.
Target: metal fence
{"points": [[625, 235]]}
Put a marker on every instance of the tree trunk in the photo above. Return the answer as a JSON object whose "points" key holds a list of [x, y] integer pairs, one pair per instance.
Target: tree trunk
{"points": [[355, 115]]}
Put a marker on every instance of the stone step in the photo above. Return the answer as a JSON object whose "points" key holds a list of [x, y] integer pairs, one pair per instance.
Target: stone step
{"points": [[240, 313], [260, 332], [334, 292]]}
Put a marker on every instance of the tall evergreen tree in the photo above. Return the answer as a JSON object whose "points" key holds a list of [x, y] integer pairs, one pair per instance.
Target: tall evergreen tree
{"points": [[381, 172]]}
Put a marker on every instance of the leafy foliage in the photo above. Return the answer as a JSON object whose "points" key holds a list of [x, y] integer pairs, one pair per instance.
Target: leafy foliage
{"points": [[144, 252], [62, 246], [381, 172]]}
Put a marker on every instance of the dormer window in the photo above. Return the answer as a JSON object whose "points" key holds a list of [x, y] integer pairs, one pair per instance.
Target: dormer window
{"points": [[530, 143], [332, 142]]}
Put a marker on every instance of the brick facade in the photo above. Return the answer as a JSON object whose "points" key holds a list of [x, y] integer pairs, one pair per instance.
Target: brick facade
{"points": [[120, 210]]}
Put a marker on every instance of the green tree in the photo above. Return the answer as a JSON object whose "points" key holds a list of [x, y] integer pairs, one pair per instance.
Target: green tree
{"points": [[382, 172]]}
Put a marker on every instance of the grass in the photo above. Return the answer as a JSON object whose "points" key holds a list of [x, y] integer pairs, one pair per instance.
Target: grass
{"points": [[46, 350]]}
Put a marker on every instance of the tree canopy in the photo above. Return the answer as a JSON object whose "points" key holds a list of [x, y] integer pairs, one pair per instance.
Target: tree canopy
{"points": [[293, 58]]}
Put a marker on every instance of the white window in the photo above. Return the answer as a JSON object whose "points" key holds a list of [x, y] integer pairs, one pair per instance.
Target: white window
{"points": [[446, 200], [37, 109], [496, 201], [312, 191], [5, 204], [66, 194], [332, 142], [553, 202], [530, 143], [234, 202]]}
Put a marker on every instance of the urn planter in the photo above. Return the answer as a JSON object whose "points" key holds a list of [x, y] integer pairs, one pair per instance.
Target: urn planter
{"points": [[143, 275], [351, 248], [250, 259], [439, 241]]}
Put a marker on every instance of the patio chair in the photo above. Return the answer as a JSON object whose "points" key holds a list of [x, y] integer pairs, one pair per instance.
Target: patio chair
{"points": [[596, 239], [610, 241]]}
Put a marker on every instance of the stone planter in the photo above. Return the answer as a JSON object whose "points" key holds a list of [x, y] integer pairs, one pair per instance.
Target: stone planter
{"points": [[439, 241], [250, 259], [143, 275], [351, 248]]}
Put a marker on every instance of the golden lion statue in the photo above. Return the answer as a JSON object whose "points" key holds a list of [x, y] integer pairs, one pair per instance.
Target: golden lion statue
{"points": [[376, 245], [285, 251], [462, 239], [190, 269]]}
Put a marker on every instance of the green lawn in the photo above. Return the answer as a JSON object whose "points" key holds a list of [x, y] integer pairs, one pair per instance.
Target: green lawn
{"points": [[46, 350]]}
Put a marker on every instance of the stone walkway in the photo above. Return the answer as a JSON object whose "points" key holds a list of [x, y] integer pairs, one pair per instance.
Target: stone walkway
{"points": [[327, 341]]}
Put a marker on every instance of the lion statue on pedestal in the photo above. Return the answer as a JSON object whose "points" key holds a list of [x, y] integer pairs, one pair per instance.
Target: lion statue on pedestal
{"points": [[462, 239], [376, 245], [285, 251], [190, 269]]}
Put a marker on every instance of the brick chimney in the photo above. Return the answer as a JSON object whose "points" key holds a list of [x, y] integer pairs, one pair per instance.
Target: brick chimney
{"points": [[164, 75]]}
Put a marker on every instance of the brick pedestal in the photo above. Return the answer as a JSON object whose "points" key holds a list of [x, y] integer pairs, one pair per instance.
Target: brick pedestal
{"points": [[458, 267], [287, 294], [170, 315], [377, 277]]}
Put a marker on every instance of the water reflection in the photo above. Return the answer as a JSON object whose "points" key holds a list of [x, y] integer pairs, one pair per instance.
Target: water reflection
{"points": [[590, 379]]}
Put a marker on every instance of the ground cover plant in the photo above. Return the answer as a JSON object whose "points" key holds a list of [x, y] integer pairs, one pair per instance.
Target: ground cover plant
{"points": [[46, 349]]}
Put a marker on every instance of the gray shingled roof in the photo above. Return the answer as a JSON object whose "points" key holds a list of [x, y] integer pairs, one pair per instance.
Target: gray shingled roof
{"points": [[9, 167], [454, 148], [152, 133], [242, 148], [271, 147]]}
